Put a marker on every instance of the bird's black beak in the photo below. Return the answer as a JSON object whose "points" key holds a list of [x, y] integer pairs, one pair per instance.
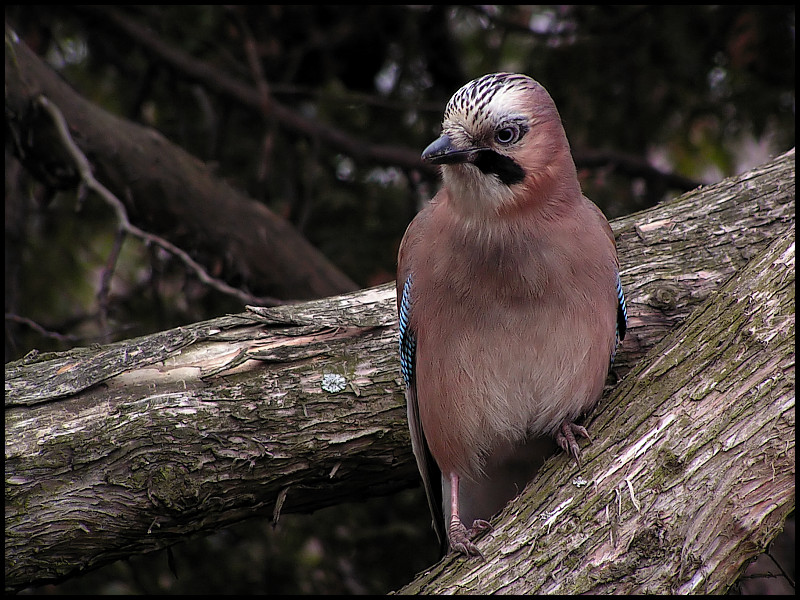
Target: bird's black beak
{"points": [[442, 152]]}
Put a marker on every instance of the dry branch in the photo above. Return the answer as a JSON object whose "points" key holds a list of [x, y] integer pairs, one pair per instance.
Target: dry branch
{"points": [[130, 447], [167, 191], [693, 476], [256, 98], [249, 95]]}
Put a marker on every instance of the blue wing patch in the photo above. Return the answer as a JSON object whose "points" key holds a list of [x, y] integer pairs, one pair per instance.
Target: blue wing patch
{"points": [[622, 318], [408, 343]]}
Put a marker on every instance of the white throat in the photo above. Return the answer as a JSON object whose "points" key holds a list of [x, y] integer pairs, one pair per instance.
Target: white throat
{"points": [[474, 194]]}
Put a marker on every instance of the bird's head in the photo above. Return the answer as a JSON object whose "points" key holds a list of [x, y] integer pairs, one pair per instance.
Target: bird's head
{"points": [[502, 147]]}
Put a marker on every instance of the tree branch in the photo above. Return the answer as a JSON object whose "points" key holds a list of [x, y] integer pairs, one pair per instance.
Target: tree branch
{"points": [[219, 82], [693, 476], [257, 98], [88, 179], [633, 166], [129, 447], [167, 192]]}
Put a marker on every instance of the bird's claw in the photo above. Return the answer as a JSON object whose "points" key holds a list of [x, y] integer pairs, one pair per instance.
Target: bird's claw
{"points": [[565, 437], [461, 538], [478, 526]]}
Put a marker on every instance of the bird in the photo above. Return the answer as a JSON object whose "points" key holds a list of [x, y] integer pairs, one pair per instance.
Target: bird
{"points": [[509, 302]]}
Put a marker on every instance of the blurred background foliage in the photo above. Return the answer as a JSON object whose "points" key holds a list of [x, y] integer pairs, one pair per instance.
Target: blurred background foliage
{"points": [[700, 92]]}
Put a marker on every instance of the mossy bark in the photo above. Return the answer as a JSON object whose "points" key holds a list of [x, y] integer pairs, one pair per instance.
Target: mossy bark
{"points": [[126, 448]]}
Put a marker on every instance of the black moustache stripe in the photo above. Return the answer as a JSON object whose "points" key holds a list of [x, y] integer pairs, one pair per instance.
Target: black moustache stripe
{"points": [[508, 170]]}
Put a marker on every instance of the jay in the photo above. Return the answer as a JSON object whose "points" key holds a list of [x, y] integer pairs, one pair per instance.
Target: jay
{"points": [[509, 301]]}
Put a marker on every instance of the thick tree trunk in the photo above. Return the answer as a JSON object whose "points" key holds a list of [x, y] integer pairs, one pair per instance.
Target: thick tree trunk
{"points": [[125, 448], [166, 191]]}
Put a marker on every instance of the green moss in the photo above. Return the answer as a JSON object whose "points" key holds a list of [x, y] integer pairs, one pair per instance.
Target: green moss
{"points": [[170, 486]]}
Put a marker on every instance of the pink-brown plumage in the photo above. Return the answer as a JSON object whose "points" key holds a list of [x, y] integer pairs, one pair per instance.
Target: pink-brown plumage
{"points": [[512, 300]]}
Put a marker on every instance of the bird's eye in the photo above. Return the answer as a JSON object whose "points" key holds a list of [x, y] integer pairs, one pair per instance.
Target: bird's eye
{"points": [[506, 135]]}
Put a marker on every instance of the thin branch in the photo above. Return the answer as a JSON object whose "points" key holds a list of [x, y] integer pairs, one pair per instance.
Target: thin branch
{"points": [[85, 171], [61, 337], [263, 87], [197, 70], [516, 26], [557, 33], [253, 61], [357, 148], [105, 283], [632, 166], [783, 571]]}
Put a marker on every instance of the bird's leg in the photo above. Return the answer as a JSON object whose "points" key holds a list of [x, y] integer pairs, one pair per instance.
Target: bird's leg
{"points": [[565, 437], [459, 536]]}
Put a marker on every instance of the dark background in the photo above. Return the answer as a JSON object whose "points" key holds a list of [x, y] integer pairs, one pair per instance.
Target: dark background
{"points": [[654, 100]]}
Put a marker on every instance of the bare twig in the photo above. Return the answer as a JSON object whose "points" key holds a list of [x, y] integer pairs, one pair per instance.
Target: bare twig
{"points": [[783, 573], [632, 166], [251, 52], [85, 170], [105, 284], [263, 87], [61, 337], [221, 83], [357, 148]]}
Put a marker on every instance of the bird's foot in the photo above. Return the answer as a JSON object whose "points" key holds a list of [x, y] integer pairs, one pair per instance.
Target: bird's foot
{"points": [[461, 538], [565, 437]]}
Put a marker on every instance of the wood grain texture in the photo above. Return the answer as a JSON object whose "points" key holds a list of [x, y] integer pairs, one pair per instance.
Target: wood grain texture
{"points": [[126, 448]]}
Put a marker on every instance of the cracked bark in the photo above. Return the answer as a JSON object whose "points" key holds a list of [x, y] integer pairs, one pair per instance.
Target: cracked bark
{"points": [[129, 447]]}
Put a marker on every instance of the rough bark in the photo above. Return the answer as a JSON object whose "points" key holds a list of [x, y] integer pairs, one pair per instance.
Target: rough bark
{"points": [[166, 190], [691, 473], [128, 447]]}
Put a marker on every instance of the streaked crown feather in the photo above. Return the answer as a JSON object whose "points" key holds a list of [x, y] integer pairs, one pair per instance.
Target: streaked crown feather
{"points": [[475, 97]]}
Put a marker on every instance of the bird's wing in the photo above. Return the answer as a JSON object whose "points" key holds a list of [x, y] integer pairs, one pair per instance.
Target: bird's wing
{"points": [[431, 476], [622, 309]]}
